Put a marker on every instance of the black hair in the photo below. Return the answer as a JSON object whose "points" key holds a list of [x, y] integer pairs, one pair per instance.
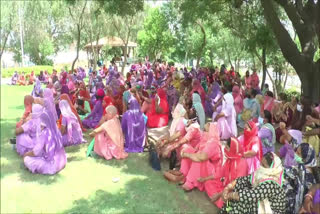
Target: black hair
{"points": [[228, 87], [269, 94], [229, 142], [254, 92], [266, 85], [267, 115], [80, 102], [283, 96], [196, 92], [192, 114], [99, 97], [269, 158]]}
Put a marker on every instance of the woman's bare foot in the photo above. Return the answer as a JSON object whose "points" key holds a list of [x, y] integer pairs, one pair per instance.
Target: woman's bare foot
{"points": [[186, 188]]}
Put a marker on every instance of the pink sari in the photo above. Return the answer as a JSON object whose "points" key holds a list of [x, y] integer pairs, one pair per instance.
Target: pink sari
{"points": [[238, 102], [268, 103], [110, 142], [210, 144]]}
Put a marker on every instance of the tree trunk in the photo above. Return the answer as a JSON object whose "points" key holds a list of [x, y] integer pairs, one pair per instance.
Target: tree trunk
{"points": [[264, 67], [307, 70], [124, 58], [4, 44], [310, 84], [285, 79], [203, 44], [274, 87], [78, 47]]}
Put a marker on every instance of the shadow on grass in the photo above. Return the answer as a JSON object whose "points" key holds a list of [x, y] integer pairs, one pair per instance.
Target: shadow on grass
{"points": [[21, 107], [15, 162], [72, 149], [136, 197], [75, 158], [27, 176]]}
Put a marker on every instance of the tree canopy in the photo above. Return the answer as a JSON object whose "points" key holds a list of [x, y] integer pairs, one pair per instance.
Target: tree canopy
{"points": [[263, 34]]}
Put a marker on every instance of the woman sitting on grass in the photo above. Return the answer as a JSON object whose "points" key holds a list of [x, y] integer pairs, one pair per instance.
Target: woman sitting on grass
{"points": [[48, 155], [70, 127], [26, 133], [109, 139], [134, 127], [260, 192]]}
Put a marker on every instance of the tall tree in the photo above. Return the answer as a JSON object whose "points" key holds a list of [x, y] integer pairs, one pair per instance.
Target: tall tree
{"points": [[76, 10], [8, 19], [155, 40], [126, 19], [304, 16]]}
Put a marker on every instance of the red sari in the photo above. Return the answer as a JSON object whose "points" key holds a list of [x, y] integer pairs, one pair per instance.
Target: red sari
{"points": [[107, 101], [157, 120], [235, 165]]}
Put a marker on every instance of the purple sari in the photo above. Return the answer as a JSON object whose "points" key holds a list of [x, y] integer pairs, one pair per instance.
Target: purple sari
{"points": [[133, 127], [210, 97], [36, 92], [149, 80], [92, 120], [50, 156], [73, 135], [49, 103]]}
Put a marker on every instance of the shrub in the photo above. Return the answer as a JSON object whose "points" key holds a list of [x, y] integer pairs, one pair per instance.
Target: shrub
{"points": [[8, 72], [292, 92]]}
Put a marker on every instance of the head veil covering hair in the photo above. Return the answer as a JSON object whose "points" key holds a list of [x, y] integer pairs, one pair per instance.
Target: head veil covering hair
{"points": [[177, 115], [273, 173], [108, 101], [70, 117], [49, 102], [196, 102], [233, 156], [37, 89], [250, 136], [125, 97], [37, 110], [235, 91], [53, 141], [73, 109], [133, 127], [113, 127]]}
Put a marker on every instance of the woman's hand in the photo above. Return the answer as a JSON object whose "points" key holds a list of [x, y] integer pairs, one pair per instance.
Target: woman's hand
{"points": [[307, 205], [215, 197], [92, 134], [309, 118], [225, 194], [282, 125], [202, 179]]}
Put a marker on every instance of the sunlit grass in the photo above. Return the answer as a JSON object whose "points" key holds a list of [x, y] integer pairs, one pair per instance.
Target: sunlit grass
{"points": [[86, 184]]}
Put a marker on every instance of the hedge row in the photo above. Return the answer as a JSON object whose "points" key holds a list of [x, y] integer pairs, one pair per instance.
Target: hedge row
{"points": [[8, 72]]}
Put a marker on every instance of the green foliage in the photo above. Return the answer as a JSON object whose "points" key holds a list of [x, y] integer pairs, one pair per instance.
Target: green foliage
{"points": [[122, 8], [155, 39], [292, 92], [8, 72]]}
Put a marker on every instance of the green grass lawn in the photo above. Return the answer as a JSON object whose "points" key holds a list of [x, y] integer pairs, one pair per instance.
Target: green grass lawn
{"points": [[85, 185]]}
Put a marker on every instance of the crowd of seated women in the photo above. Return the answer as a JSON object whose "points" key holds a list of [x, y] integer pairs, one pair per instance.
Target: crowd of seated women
{"points": [[220, 133]]}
